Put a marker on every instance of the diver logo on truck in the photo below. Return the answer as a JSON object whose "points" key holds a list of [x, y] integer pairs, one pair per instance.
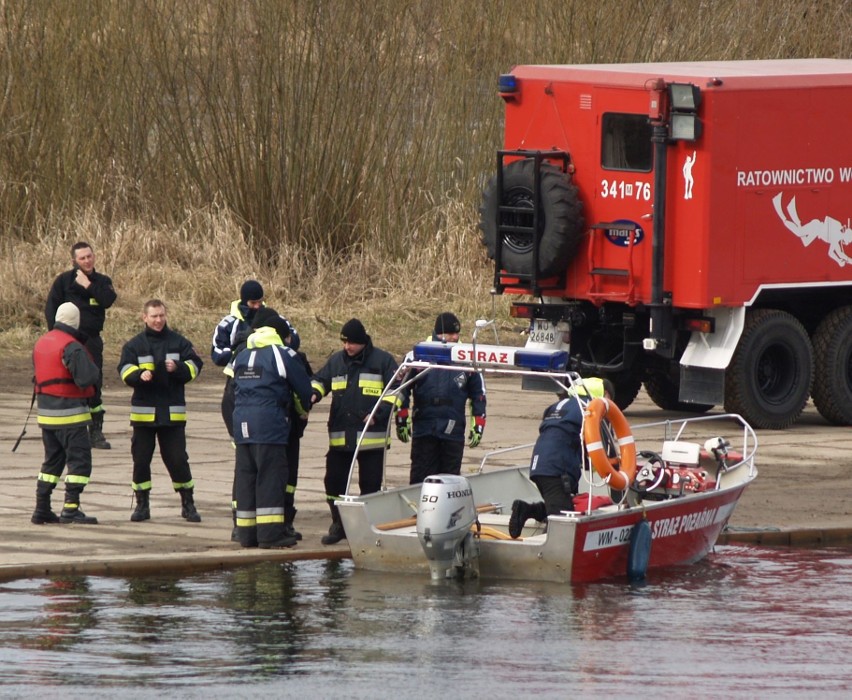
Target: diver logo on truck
{"points": [[829, 230]]}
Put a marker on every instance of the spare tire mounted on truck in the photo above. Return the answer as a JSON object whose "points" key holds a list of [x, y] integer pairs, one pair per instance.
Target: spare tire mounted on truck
{"points": [[561, 210]]}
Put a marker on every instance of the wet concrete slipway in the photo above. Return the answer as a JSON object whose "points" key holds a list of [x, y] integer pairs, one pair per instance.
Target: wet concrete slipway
{"points": [[769, 513]]}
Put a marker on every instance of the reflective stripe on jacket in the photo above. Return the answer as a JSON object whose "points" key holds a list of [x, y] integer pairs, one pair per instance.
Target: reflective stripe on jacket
{"points": [[355, 384], [439, 401], [557, 450], [51, 375], [65, 376], [161, 401], [267, 376]]}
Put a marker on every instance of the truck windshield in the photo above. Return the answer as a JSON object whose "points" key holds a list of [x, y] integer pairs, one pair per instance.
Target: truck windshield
{"points": [[626, 142]]}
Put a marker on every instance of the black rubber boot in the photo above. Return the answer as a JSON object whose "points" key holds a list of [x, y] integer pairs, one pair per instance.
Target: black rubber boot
{"points": [[43, 513], [235, 533], [336, 531], [518, 518], [523, 511], [284, 542], [96, 432], [143, 506], [187, 507], [289, 530], [71, 513]]}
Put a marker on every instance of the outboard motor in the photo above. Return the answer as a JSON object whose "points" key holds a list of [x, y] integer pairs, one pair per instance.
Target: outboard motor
{"points": [[444, 518]]}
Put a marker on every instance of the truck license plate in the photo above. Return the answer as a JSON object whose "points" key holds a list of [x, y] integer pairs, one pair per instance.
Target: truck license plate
{"points": [[543, 332]]}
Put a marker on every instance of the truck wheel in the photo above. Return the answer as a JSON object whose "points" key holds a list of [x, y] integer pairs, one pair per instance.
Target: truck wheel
{"points": [[769, 378], [832, 392], [560, 208], [626, 388], [664, 392]]}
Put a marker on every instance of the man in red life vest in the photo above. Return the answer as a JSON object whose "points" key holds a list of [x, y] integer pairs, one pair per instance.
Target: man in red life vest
{"points": [[65, 378]]}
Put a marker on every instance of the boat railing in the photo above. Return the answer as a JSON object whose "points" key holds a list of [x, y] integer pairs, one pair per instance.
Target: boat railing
{"points": [[412, 369], [432, 356], [502, 451], [679, 429]]}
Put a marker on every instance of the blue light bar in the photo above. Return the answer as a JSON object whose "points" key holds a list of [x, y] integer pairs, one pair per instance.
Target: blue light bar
{"points": [[507, 83], [492, 355], [542, 359], [438, 353]]}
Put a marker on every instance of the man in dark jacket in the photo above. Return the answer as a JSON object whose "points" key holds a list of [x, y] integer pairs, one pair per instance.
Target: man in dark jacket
{"points": [[437, 423], [65, 377], [267, 378], [298, 416], [158, 363], [356, 377], [231, 334], [557, 457], [229, 337], [92, 293]]}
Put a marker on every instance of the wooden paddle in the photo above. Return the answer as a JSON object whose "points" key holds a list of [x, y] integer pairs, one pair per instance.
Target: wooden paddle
{"points": [[408, 522]]}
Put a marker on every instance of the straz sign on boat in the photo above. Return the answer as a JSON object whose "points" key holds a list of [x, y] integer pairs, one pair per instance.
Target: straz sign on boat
{"points": [[483, 354], [664, 527]]}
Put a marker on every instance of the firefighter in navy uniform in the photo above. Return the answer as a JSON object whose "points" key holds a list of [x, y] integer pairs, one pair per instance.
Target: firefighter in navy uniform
{"points": [[298, 416], [92, 293], [437, 422], [157, 364], [267, 378], [557, 457], [355, 376], [65, 377]]}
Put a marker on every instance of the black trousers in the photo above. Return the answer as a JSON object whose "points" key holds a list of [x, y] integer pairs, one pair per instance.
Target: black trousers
{"points": [[66, 447], [553, 491], [172, 440], [431, 455], [337, 463], [228, 402], [95, 346], [260, 485], [293, 447]]}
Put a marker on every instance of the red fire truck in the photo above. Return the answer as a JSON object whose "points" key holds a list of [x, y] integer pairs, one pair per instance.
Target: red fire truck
{"points": [[685, 226]]}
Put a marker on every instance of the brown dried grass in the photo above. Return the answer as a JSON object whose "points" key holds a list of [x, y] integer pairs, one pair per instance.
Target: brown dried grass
{"points": [[197, 270]]}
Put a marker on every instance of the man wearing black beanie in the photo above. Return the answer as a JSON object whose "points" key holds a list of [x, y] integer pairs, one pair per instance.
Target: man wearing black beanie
{"points": [[436, 423], [447, 324], [359, 372], [232, 332]]}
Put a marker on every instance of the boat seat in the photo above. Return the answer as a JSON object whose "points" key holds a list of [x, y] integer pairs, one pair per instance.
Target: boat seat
{"points": [[581, 502]]}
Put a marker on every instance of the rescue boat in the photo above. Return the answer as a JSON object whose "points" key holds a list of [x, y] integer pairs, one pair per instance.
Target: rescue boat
{"points": [[678, 481]]}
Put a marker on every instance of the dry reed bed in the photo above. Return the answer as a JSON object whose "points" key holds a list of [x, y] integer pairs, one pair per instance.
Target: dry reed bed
{"points": [[334, 150]]}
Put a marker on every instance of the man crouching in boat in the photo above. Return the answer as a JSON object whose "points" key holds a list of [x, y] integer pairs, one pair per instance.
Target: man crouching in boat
{"points": [[557, 456]]}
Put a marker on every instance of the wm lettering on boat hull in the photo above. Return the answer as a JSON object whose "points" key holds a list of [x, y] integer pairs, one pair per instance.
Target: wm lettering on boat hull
{"points": [[664, 527]]}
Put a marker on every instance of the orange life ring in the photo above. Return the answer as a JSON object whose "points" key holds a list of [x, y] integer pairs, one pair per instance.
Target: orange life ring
{"points": [[596, 411]]}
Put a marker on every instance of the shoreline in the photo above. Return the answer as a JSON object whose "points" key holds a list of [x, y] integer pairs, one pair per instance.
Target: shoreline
{"points": [[787, 505]]}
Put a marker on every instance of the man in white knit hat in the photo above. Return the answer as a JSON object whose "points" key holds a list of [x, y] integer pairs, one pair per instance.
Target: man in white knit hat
{"points": [[65, 378]]}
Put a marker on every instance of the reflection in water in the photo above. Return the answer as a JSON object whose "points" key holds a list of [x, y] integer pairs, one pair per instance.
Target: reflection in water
{"points": [[67, 612], [268, 632], [747, 622]]}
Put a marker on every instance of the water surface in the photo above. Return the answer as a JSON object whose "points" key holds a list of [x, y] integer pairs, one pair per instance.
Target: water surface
{"points": [[746, 622]]}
